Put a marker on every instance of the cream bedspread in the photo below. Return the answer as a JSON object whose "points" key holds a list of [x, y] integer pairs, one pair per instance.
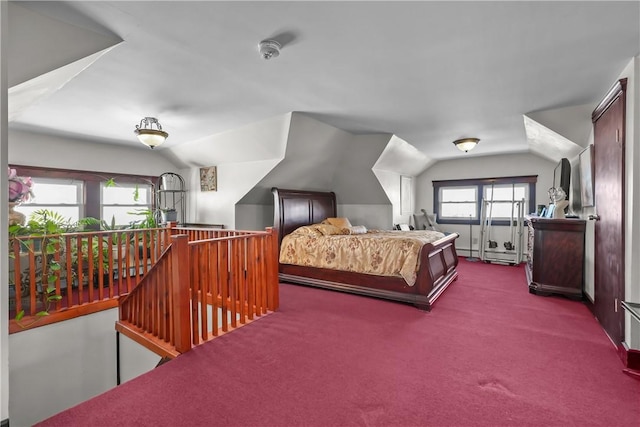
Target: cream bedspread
{"points": [[383, 253]]}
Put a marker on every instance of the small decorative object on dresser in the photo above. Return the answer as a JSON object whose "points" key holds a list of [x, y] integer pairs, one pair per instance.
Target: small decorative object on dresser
{"points": [[559, 202], [555, 256]]}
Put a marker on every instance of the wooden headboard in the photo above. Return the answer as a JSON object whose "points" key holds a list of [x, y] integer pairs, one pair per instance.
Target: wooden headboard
{"points": [[295, 208]]}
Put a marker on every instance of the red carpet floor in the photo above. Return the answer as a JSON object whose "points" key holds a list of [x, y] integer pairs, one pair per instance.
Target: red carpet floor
{"points": [[489, 354]]}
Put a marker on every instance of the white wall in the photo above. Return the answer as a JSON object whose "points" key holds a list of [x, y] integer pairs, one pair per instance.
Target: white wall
{"points": [[632, 213], [400, 159], [371, 216], [135, 360], [323, 158], [34, 149], [234, 181], [253, 217], [483, 167], [57, 366], [242, 157], [390, 181]]}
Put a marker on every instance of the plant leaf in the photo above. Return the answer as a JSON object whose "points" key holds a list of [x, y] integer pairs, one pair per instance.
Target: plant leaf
{"points": [[42, 313], [19, 316]]}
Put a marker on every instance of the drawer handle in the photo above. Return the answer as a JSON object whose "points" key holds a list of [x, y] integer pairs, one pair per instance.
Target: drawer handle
{"points": [[594, 217]]}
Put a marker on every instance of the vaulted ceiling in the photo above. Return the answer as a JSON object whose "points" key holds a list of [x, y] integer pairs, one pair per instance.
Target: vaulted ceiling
{"points": [[427, 72]]}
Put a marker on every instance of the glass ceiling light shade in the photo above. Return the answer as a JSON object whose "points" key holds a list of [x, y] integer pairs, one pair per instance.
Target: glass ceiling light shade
{"points": [[148, 135], [466, 144]]}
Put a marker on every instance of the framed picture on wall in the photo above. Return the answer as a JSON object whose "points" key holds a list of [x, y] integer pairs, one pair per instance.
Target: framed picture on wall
{"points": [[586, 176], [208, 179], [405, 195]]}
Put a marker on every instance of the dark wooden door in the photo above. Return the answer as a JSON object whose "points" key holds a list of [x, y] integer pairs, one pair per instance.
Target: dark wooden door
{"points": [[609, 126]]}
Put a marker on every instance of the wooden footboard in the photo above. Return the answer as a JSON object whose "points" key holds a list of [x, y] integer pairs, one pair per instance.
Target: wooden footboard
{"points": [[437, 271], [438, 262]]}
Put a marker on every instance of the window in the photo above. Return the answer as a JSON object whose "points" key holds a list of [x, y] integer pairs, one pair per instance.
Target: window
{"points": [[80, 194], [60, 195], [460, 201], [120, 202], [500, 200]]}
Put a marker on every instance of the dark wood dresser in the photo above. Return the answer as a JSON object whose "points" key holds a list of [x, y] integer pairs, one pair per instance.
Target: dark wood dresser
{"points": [[555, 256]]}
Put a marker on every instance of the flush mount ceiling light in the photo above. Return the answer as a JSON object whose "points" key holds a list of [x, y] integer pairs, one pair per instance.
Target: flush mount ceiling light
{"points": [[466, 144], [269, 49], [148, 135]]}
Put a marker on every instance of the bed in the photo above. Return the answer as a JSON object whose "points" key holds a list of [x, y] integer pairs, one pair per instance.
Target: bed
{"points": [[437, 260]]}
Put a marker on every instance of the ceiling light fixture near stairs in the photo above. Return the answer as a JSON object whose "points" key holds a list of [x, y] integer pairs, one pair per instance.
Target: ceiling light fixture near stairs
{"points": [[466, 144], [269, 49], [148, 135]]}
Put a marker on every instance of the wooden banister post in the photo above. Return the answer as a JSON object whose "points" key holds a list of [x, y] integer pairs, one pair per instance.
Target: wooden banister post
{"points": [[272, 256], [180, 282]]}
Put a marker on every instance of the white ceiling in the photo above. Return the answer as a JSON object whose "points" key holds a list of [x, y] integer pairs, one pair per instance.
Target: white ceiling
{"points": [[428, 72]]}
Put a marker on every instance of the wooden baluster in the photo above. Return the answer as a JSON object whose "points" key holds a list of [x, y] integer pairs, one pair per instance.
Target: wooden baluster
{"points": [[57, 257], [100, 261], [233, 281], [91, 270], [259, 276], [127, 261], [17, 276], [120, 268], [272, 262], [33, 286], [170, 316], [242, 281], [214, 280], [223, 268], [162, 296], [110, 264], [201, 276], [251, 276], [195, 304]]}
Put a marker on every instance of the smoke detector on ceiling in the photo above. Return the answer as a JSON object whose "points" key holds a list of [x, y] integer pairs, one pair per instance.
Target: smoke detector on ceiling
{"points": [[269, 49]]}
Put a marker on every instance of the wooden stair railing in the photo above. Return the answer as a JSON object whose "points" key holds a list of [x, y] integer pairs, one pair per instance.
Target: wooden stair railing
{"points": [[85, 271], [201, 289]]}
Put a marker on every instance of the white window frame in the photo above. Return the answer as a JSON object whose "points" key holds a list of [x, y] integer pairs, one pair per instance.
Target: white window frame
{"points": [[33, 205], [442, 202], [528, 181], [130, 207]]}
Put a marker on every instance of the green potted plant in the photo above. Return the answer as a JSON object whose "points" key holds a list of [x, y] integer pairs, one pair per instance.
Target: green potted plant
{"points": [[148, 221], [168, 214], [99, 247], [43, 230]]}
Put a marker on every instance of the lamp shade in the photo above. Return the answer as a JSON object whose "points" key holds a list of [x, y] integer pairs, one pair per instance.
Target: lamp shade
{"points": [[148, 135], [466, 144]]}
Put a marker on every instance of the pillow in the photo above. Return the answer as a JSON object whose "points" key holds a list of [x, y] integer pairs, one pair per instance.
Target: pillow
{"points": [[357, 229], [329, 230], [307, 230], [338, 222]]}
